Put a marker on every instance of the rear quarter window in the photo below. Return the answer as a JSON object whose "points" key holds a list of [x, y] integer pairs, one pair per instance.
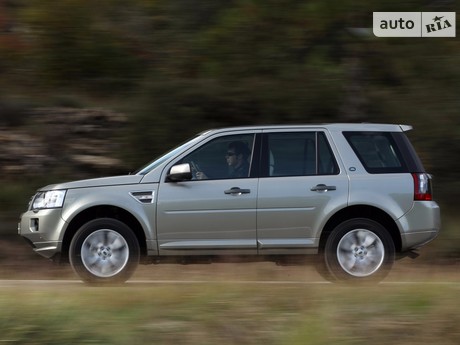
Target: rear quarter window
{"points": [[377, 151]]}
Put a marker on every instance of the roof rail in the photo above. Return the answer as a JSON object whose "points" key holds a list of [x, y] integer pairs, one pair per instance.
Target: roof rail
{"points": [[406, 128]]}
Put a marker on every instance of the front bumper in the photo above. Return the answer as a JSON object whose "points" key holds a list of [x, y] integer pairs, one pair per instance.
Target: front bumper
{"points": [[42, 230]]}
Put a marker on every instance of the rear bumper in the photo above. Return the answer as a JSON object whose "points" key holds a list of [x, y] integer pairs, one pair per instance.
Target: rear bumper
{"points": [[420, 225]]}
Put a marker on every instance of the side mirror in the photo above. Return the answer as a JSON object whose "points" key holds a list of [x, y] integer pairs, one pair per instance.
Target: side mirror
{"points": [[180, 172]]}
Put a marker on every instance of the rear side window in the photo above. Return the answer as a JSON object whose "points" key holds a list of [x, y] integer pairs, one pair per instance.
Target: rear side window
{"points": [[377, 151], [298, 154]]}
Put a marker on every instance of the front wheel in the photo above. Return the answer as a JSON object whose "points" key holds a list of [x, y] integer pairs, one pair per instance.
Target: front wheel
{"points": [[104, 251], [359, 250]]}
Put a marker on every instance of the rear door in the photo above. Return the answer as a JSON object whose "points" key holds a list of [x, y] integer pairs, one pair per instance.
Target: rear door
{"points": [[301, 183]]}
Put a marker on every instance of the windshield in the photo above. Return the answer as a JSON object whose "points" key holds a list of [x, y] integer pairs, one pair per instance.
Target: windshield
{"points": [[161, 159]]}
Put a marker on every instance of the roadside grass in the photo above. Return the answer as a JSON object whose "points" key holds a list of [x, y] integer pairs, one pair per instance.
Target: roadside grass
{"points": [[231, 313]]}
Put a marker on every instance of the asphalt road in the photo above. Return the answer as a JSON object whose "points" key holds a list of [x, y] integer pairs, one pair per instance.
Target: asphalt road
{"points": [[48, 274], [13, 283]]}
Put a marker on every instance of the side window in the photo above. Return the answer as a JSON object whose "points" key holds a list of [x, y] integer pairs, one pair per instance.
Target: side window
{"points": [[377, 151], [298, 154], [224, 157]]}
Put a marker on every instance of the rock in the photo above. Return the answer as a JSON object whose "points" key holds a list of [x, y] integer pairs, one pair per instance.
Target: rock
{"points": [[80, 141]]}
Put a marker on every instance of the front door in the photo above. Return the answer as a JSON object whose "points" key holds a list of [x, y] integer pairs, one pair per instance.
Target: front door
{"points": [[215, 212]]}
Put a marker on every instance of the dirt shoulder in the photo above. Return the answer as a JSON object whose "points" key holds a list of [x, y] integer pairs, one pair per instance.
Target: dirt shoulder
{"points": [[19, 261]]}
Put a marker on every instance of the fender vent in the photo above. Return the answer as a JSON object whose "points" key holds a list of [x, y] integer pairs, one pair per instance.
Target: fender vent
{"points": [[145, 197]]}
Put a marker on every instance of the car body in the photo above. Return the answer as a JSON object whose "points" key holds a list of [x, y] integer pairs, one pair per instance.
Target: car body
{"points": [[354, 195]]}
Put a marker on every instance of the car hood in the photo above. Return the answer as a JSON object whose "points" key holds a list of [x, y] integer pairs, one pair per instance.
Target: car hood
{"points": [[96, 182]]}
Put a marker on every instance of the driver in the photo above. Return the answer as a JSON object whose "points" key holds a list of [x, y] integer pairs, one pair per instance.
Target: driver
{"points": [[237, 160]]}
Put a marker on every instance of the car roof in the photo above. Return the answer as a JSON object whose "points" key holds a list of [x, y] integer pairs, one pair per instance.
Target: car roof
{"points": [[329, 126]]}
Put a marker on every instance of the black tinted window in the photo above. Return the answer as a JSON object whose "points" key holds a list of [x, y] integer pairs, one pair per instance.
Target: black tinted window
{"points": [[377, 151], [298, 154]]}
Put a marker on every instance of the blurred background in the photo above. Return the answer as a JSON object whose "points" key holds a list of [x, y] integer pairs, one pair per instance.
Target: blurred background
{"points": [[93, 88]]}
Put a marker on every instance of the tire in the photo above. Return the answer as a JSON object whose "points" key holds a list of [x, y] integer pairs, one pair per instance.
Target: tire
{"points": [[104, 251], [359, 249]]}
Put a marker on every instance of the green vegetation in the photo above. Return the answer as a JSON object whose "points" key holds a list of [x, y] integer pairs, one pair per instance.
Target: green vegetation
{"points": [[232, 313], [447, 245], [192, 65]]}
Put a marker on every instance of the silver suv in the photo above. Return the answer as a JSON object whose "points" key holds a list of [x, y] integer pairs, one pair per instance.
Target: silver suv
{"points": [[356, 195]]}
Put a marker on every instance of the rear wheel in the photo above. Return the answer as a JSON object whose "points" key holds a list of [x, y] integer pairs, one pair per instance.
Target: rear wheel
{"points": [[359, 250], [104, 251]]}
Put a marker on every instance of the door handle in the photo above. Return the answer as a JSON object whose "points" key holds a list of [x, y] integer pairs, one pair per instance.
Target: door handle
{"points": [[237, 191], [322, 188]]}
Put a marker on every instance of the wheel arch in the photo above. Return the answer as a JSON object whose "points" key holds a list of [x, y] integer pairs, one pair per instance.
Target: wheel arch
{"points": [[103, 211], [362, 211]]}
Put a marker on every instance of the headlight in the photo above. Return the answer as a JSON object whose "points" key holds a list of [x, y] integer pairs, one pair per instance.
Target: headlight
{"points": [[49, 199]]}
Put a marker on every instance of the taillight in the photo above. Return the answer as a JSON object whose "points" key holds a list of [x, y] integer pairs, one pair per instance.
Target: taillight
{"points": [[422, 187]]}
